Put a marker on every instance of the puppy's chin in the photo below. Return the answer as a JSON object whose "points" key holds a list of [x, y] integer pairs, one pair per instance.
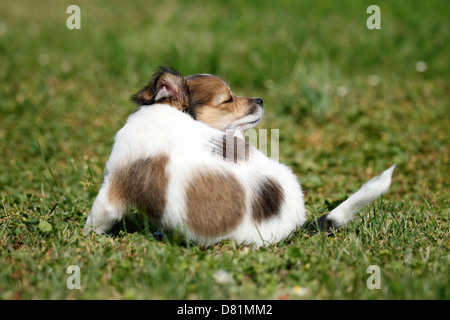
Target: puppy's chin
{"points": [[245, 125], [249, 121]]}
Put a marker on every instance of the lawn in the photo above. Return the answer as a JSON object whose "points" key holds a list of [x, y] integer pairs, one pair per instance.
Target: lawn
{"points": [[348, 103]]}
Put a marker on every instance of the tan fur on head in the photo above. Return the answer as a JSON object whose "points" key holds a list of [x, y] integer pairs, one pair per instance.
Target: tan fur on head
{"points": [[213, 102], [207, 98]]}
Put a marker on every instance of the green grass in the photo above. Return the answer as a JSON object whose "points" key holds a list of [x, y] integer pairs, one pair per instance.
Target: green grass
{"points": [[64, 93]]}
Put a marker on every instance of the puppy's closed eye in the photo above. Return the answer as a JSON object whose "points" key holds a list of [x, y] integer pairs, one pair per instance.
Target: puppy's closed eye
{"points": [[230, 100]]}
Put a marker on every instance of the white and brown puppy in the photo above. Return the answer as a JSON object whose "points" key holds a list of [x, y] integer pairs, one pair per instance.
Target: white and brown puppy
{"points": [[171, 161]]}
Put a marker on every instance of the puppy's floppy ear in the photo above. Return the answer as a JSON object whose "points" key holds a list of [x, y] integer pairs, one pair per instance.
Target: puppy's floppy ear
{"points": [[166, 86]]}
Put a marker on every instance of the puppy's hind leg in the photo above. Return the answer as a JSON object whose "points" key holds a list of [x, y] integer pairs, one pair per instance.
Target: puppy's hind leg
{"points": [[104, 212]]}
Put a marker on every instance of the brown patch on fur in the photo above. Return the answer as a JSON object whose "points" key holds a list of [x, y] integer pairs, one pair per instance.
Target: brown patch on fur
{"points": [[268, 200], [215, 203], [141, 184]]}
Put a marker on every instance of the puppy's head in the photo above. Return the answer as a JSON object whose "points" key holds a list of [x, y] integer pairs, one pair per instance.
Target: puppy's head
{"points": [[207, 98]]}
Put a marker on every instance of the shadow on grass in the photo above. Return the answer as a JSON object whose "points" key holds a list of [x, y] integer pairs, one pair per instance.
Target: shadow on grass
{"points": [[138, 223]]}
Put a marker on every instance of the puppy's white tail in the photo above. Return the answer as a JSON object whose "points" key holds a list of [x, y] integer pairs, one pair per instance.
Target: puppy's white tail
{"points": [[345, 212]]}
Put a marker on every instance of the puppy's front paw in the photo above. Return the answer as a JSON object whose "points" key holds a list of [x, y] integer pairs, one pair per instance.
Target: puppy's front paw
{"points": [[89, 227]]}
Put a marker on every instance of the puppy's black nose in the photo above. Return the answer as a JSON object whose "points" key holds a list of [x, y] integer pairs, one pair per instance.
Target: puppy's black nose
{"points": [[258, 101]]}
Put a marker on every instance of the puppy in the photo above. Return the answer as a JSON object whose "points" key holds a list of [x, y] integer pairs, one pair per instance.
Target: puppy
{"points": [[176, 161]]}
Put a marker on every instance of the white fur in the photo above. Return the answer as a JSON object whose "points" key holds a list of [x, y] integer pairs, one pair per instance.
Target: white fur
{"points": [[371, 190], [248, 121], [161, 129]]}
